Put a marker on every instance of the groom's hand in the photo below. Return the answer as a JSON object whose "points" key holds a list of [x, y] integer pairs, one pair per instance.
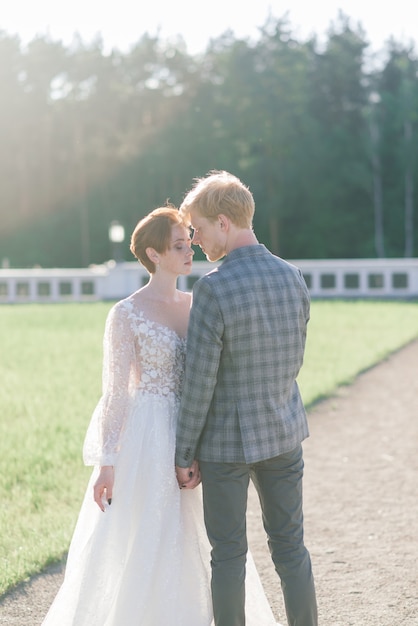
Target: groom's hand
{"points": [[188, 477]]}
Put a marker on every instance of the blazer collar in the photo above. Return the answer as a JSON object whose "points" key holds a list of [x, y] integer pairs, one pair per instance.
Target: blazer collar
{"points": [[245, 252]]}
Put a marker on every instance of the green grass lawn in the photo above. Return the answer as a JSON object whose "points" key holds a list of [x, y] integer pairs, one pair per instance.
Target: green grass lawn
{"points": [[50, 369], [347, 337]]}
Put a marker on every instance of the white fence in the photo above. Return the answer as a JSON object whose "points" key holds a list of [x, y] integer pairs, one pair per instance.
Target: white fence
{"points": [[335, 278]]}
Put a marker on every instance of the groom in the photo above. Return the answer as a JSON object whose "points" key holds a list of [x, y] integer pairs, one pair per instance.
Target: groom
{"points": [[241, 414]]}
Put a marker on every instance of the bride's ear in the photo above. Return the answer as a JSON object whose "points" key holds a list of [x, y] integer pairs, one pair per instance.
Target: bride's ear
{"points": [[152, 255]]}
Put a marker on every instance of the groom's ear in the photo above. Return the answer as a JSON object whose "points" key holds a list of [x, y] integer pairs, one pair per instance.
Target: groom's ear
{"points": [[224, 222]]}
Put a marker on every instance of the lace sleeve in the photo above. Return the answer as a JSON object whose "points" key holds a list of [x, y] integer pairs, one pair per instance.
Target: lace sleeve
{"points": [[101, 445]]}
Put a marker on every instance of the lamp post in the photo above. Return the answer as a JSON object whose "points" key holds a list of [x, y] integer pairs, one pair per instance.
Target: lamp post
{"points": [[116, 237]]}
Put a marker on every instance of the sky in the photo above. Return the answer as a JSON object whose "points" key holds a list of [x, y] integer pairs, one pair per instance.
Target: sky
{"points": [[123, 22]]}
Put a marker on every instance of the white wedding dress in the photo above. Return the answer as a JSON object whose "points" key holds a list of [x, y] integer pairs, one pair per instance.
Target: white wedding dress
{"points": [[145, 561]]}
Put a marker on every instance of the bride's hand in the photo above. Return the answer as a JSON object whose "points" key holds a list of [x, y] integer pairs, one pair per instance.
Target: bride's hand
{"points": [[103, 487]]}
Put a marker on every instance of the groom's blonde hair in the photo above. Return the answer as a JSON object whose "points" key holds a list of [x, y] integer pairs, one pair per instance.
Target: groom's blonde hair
{"points": [[220, 192]]}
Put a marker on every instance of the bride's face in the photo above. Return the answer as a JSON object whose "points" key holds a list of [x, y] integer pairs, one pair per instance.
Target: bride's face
{"points": [[179, 254]]}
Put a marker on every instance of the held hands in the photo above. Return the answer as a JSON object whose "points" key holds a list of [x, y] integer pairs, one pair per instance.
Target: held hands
{"points": [[188, 477], [103, 486]]}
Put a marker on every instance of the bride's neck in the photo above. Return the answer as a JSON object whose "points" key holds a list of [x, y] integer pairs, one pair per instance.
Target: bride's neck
{"points": [[162, 287]]}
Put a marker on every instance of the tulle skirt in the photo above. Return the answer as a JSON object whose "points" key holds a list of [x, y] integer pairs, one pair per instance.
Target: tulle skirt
{"points": [[145, 561]]}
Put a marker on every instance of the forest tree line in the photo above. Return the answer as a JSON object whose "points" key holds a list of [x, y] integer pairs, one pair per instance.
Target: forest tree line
{"points": [[326, 141]]}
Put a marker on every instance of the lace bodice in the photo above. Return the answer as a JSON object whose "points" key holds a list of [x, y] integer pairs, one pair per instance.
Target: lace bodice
{"points": [[139, 355], [161, 355]]}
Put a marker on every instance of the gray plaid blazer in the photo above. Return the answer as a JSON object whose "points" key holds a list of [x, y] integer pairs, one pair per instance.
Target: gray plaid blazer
{"points": [[245, 346]]}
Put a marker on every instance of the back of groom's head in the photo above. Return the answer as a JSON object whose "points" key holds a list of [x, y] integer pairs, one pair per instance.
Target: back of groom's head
{"points": [[220, 192]]}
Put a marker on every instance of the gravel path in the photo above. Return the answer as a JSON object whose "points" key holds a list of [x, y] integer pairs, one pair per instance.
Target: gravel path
{"points": [[361, 508]]}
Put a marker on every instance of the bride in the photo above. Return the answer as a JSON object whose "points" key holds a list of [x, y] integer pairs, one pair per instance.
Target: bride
{"points": [[139, 555]]}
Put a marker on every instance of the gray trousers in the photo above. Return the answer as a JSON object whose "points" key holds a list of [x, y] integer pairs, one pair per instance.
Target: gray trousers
{"points": [[278, 482]]}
